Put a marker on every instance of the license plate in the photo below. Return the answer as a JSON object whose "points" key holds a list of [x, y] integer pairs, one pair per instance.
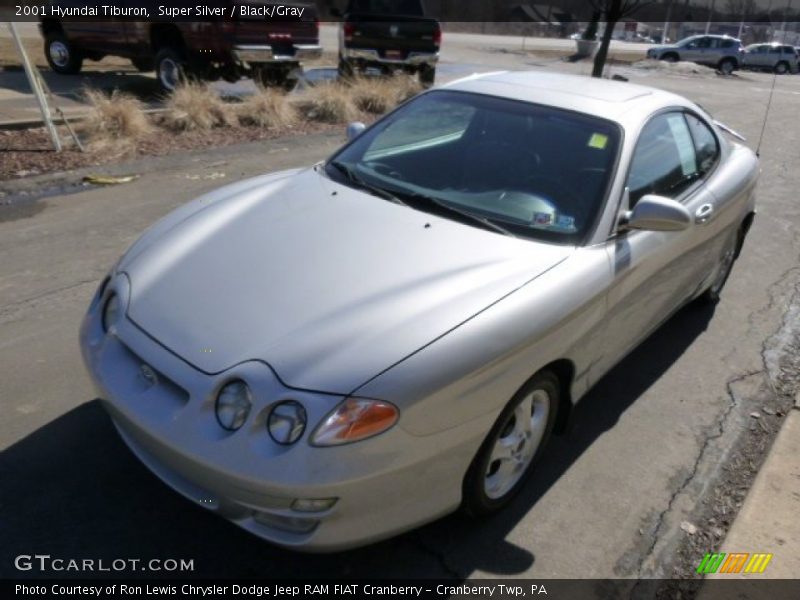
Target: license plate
{"points": [[394, 54]]}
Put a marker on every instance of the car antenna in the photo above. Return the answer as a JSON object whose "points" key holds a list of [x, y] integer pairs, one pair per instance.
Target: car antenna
{"points": [[766, 114]]}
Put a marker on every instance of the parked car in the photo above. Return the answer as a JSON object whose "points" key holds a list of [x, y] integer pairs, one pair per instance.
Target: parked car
{"points": [[780, 58], [270, 51], [331, 355], [390, 36], [720, 51]]}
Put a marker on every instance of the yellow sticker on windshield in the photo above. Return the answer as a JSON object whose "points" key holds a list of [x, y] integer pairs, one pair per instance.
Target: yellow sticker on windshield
{"points": [[598, 140]]}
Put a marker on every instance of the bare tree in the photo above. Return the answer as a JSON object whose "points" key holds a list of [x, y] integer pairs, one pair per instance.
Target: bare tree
{"points": [[741, 9], [613, 11]]}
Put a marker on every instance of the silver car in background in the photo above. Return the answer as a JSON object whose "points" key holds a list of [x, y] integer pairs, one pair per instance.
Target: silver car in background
{"points": [[719, 51], [780, 58], [332, 355]]}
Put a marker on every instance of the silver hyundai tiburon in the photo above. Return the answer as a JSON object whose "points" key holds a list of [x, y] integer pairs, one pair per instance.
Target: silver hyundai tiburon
{"points": [[332, 355]]}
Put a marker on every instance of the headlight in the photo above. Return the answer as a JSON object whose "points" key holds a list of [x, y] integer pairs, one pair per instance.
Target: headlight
{"points": [[110, 312], [287, 422], [355, 419], [233, 405]]}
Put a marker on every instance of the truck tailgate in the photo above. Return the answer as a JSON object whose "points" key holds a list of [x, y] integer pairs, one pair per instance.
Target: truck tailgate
{"points": [[394, 34]]}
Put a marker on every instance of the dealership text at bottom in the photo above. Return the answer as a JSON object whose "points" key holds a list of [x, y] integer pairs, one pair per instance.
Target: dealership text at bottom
{"points": [[277, 590]]}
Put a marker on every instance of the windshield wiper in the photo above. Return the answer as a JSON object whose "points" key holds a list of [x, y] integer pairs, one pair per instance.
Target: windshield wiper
{"points": [[430, 201], [353, 177]]}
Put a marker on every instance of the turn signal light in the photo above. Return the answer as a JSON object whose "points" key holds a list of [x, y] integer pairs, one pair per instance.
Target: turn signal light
{"points": [[355, 419]]}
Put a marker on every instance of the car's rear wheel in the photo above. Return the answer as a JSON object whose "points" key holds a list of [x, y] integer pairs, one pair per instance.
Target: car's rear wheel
{"points": [[724, 268], [512, 447], [62, 56], [727, 66], [781, 68]]}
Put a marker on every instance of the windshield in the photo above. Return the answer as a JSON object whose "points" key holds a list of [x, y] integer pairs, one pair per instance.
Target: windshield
{"points": [[521, 168]]}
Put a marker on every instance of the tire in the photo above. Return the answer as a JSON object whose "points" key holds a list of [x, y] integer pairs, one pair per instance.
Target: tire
{"points": [[171, 69], [427, 75], [271, 77], [143, 64], [670, 57], [62, 56], [345, 69], [729, 254], [507, 455], [727, 66], [781, 68]]}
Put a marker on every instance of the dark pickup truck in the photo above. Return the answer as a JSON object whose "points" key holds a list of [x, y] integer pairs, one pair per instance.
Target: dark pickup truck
{"points": [[268, 50], [389, 35]]}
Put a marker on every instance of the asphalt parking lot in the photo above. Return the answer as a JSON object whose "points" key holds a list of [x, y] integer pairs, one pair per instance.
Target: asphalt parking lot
{"points": [[649, 442]]}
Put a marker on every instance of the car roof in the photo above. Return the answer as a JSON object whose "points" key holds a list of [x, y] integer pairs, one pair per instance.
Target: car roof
{"points": [[614, 100]]}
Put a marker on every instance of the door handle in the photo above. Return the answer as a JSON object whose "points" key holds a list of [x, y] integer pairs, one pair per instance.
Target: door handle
{"points": [[703, 214]]}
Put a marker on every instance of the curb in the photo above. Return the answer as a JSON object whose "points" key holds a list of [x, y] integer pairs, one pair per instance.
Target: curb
{"points": [[768, 520]]}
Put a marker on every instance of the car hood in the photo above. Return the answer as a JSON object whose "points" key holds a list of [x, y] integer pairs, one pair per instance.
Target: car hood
{"points": [[328, 285]]}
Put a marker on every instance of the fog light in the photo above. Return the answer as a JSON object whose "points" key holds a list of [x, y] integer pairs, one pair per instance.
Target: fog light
{"points": [[313, 504], [287, 422], [285, 523], [233, 405]]}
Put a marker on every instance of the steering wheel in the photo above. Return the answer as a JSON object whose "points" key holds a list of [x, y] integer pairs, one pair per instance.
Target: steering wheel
{"points": [[498, 161], [385, 169], [563, 194]]}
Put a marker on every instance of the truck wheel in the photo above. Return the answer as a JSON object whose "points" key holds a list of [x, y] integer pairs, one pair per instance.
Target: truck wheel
{"points": [[272, 77], [427, 75], [345, 70], [61, 55], [171, 69], [143, 64]]}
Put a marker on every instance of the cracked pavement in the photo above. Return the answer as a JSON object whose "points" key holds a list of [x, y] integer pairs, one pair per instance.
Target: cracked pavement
{"points": [[651, 446]]}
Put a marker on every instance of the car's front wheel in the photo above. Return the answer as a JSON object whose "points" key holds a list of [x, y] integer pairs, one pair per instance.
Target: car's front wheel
{"points": [[670, 57], [512, 447]]}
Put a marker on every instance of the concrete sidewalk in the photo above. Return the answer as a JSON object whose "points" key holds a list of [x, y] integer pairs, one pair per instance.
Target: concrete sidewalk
{"points": [[769, 520]]}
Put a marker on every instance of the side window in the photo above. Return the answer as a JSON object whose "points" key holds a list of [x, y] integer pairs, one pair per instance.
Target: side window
{"points": [[664, 161], [704, 42], [705, 143]]}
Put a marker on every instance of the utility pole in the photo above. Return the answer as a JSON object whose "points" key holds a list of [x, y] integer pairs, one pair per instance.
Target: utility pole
{"points": [[666, 23], [33, 81], [710, 14]]}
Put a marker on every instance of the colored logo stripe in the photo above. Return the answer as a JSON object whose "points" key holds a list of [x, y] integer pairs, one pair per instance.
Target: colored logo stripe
{"points": [[734, 562], [713, 562], [757, 563]]}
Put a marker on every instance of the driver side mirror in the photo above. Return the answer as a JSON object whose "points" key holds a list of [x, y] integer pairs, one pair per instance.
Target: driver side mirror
{"points": [[656, 213], [354, 130]]}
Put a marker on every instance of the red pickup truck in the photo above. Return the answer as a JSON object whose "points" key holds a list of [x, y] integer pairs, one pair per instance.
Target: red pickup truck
{"points": [[269, 51]]}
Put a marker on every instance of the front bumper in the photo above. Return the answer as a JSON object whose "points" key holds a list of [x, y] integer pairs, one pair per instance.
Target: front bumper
{"points": [[265, 53], [414, 59], [384, 485]]}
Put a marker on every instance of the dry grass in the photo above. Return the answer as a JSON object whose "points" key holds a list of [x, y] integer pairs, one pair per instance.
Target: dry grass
{"points": [[194, 106], [327, 103], [115, 123], [342, 101], [268, 109]]}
